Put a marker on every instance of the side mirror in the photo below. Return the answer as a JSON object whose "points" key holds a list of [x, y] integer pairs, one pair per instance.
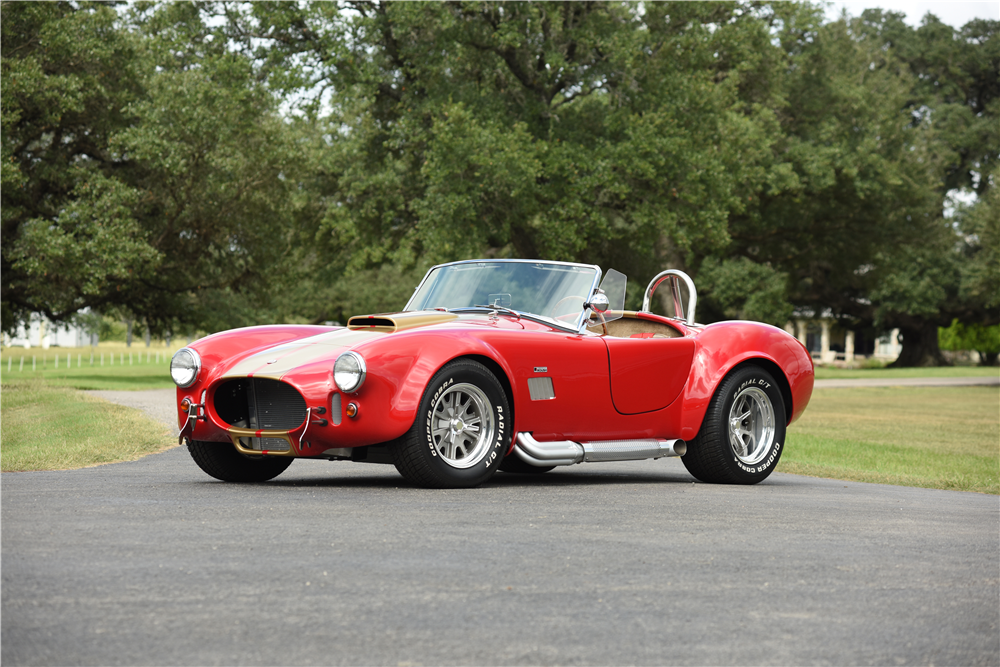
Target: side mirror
{"points": [[599, 303]]}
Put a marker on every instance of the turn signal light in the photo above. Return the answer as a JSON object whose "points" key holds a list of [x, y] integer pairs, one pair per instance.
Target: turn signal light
{"points": [[352, 409]]}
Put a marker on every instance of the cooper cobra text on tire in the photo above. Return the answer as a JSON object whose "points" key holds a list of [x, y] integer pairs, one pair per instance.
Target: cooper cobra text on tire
{"points": [[743, 433], [222, 461], [461, 432]]}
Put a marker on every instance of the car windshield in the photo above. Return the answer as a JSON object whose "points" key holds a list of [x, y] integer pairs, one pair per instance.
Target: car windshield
{"points": [[551, 290]]}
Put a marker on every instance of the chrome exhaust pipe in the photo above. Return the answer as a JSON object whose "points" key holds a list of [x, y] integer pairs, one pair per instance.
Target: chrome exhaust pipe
{"points": [[555, 453], [632, 450], [567, 452]]}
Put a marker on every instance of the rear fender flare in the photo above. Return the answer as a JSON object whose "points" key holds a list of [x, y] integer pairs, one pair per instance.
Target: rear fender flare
{"points": [[774, 350]]}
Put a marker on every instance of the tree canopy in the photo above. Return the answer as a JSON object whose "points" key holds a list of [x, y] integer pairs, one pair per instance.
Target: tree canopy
{"points": [[214, 164], [141, 170]]}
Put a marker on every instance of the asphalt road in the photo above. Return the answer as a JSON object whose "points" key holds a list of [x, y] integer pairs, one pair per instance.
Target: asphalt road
{"points": [[153, 562]]}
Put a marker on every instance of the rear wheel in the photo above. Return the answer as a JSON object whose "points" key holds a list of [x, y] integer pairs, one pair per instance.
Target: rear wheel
{"points": [[461, 431], [743, 433], [222, 461]]}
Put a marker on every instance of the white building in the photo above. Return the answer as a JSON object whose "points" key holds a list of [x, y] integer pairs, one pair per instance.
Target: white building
{"points": [[44, 334], [828, 342]]}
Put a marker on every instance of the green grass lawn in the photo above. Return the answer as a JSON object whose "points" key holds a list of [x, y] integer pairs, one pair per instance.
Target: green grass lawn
{"points": [[46, 427], [117, 371], [936, 437]]}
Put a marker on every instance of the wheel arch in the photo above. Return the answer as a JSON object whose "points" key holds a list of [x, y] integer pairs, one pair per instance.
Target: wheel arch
{"points": [[412, 361], [498, 372], [697, 400], [699, 394], [724, 347], [784, 386]]}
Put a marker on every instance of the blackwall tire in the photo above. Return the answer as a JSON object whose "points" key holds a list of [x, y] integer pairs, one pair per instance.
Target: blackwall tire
{"points": [[743, 434], [222, 461], [461, 431]]}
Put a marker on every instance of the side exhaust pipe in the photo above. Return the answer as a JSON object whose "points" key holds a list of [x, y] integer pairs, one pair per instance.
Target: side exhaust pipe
{"points": [[567, 452]]}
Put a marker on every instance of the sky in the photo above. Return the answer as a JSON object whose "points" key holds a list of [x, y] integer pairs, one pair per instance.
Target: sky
{"points": [[955, 14]]}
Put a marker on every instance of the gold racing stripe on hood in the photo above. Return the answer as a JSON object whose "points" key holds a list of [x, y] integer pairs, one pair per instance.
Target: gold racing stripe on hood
{"points": [[391, 322], [274, 362]]}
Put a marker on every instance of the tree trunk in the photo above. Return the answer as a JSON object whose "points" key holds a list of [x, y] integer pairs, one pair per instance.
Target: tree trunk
{"points": [[920, 347], [128, 333], [988, 358]]}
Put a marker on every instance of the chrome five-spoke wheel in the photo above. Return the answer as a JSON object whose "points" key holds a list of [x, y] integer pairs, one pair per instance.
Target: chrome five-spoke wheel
{"points": [[463, 426], [751, 425]]}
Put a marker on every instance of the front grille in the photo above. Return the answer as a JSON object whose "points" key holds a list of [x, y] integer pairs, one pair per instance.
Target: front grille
{"points": [[269, 444], [261, 404]]}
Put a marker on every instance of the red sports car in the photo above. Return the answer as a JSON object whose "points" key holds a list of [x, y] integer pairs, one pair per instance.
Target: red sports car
{"points": [[514, 365]]}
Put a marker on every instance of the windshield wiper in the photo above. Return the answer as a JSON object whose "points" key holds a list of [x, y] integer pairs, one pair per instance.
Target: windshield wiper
{"points": [[541, 319], [497, 308]]}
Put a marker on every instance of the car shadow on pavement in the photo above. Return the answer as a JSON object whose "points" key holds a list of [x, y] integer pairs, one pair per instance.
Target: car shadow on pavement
{"points": [[391, 479]]}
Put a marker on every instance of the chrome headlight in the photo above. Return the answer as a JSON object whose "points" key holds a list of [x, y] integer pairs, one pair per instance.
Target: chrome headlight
{"points": [[184, 367], [349, 372]]}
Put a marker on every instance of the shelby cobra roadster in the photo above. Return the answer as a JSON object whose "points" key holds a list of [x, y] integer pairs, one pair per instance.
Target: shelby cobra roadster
{"points": [[513, 365]]}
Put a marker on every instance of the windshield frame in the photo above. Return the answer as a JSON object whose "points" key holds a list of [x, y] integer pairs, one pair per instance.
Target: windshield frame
{"points": [[580, 324]]}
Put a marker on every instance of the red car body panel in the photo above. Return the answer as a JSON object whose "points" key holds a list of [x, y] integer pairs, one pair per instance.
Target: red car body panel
{"points": [[604, 388], [648, 374]]}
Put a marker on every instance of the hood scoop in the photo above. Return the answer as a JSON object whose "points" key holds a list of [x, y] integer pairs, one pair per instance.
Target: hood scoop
{"points": [[389, 322]]}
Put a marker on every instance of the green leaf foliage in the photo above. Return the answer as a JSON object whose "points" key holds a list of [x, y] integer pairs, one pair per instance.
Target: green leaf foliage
{"points": [[68, 75], [739, 289], [985, 340], [144, 169], [207, 165], [588, 131], [881, 121]]}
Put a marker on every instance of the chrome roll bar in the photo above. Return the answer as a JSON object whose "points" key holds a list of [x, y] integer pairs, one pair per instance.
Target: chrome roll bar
{"points": [[675, 291]]}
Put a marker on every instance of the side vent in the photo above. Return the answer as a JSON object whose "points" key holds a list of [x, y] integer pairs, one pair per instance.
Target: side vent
{"points": [[335, 410], [541, 389]]}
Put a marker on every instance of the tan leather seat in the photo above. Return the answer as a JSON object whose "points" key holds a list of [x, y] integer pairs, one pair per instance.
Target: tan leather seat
{"points": [[629, 326]]}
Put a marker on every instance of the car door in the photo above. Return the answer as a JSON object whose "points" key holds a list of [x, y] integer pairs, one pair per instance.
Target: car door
{"points": [[560, 382], [647, 373]]}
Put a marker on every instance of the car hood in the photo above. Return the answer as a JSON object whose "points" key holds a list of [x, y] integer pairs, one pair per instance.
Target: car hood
{"points": [[274, 362]]}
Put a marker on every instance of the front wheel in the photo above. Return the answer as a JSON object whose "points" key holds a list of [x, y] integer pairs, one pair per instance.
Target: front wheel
{"points": [[222, 461], [743, 433], [461, 431]]}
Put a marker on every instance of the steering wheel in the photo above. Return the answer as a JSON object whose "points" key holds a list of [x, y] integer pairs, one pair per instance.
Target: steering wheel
{"points": [[568, 317]]}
